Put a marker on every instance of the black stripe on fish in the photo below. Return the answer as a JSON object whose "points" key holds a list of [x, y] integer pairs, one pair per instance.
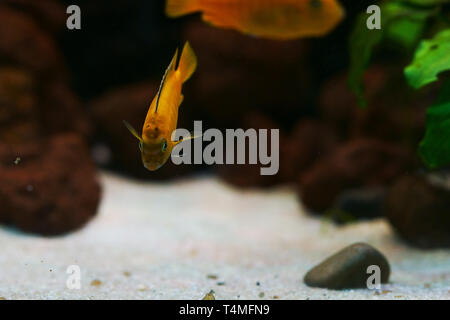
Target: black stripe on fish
{"points": [[177, 61]]}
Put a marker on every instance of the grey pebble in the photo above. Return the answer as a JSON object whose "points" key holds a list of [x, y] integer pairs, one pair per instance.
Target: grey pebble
{"points": [[348, 268]]}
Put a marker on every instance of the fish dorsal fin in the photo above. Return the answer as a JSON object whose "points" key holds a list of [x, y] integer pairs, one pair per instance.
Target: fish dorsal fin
{"points": [[170, 68], [132, 130]]}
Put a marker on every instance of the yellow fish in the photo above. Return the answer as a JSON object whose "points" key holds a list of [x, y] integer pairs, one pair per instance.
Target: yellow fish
{"points": [[155, 143], [273, 19]]}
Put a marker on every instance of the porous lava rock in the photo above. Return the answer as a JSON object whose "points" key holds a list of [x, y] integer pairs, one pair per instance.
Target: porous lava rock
{"points": [[48, 187]]}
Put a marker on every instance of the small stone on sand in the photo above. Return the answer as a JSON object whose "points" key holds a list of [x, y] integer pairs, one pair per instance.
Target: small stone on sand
{"points": [[142, 287], [348, 268], [96, 283], [209, 296]]}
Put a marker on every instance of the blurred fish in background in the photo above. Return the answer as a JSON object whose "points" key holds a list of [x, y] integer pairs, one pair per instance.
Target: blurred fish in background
{"points": [[275, 19]]}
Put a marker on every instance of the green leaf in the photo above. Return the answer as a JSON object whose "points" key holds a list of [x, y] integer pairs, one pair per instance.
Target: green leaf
{"points": [[427, 2], [406, 32], [363, 41], [431, 58], [435, 147]]}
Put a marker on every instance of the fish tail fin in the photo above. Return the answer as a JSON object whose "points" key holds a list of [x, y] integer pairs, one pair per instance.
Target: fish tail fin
{"points": [[188, 62], [177, 8]]}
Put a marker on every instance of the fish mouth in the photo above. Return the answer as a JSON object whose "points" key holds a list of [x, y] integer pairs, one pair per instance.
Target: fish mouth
{"points": [[153, 158], [151, 166]]}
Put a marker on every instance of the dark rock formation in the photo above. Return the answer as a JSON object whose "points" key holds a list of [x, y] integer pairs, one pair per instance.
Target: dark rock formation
{"points": [[419, 210], [360, 162], [48, 187]]}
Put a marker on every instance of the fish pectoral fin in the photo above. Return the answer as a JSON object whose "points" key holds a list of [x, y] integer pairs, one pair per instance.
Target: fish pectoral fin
{"points": [[189, 138], [132, 130]]}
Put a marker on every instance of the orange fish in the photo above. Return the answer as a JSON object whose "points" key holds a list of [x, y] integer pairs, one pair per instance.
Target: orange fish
{"points": [[155, 143], [273, 19]]}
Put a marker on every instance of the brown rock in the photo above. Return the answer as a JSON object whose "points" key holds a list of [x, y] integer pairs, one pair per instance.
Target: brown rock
{"points": [[36, 76], [30, 109], [419, 210], [209, 296], [403, 123], [24, 43], [52, 189], [394, 112], [337, 103], [246, 176], [360, 162], [61, 110], [310, 141], [360, 203], [50, 14], [249, 175], [18, 112]]}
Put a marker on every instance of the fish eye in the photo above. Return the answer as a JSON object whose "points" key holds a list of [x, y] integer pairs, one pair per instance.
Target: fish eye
{"points": [[164, 146], [140, 145]]}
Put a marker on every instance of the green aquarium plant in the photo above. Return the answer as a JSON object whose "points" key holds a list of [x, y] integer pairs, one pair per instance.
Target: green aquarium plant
{"points": [[422, 29]]}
